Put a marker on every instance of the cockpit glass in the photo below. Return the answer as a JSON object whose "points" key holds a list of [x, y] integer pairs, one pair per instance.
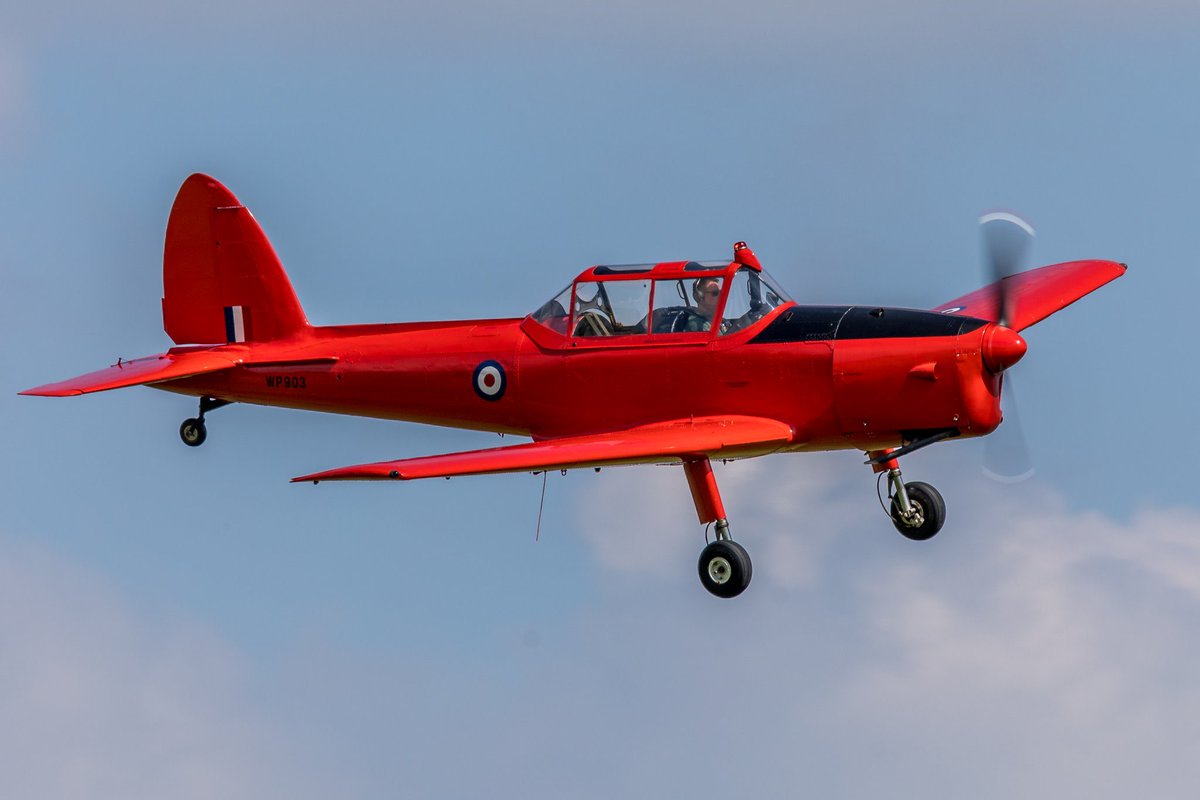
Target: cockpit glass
{"points": [[611, 308], [685, 305], [752, 296], [553, 313], [621, 304]]}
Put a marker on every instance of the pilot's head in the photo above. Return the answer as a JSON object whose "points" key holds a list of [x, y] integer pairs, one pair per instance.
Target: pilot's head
{"points": [[706, 292]]}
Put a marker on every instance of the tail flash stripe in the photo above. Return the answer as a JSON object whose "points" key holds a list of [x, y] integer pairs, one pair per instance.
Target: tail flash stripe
{"points": [[235, 324]]}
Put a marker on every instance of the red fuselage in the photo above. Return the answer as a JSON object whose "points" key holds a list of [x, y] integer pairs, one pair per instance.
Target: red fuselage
{"points": [[841, 377]]}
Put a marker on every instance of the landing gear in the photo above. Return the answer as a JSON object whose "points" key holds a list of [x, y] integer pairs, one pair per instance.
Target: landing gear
{"points": [[917, 509], [192, 431], [926, 511], [725, 567]]}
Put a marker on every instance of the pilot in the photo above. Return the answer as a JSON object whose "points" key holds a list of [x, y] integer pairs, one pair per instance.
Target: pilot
{"points": [[706, 291]]}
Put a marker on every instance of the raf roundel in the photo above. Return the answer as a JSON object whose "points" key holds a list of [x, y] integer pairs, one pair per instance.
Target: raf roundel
{"points": [[489, 380]]}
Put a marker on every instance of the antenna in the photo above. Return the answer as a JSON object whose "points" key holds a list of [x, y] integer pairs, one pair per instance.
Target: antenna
{"points": [[541, 504]]}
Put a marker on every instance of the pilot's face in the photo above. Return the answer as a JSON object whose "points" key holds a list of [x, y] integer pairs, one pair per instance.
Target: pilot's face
{"points": [[710, 292]]}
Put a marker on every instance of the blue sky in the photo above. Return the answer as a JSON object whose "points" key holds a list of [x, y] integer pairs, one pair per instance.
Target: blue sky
{"points": [[185, 622]]}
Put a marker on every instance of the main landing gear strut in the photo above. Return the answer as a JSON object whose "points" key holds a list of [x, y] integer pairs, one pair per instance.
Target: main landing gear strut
{"points": [[725, 567], [192, 431], [917, 509]]}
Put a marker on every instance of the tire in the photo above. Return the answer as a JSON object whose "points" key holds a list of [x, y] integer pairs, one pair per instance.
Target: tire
{"points": [[192, 432], [725, 568], [933, 512]]}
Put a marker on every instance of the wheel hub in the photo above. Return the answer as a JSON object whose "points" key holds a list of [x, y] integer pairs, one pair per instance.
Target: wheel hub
{"points": [[720, 570], [916, 515]]}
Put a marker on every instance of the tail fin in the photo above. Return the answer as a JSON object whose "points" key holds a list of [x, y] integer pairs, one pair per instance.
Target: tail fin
{"points": [[222, 281]]}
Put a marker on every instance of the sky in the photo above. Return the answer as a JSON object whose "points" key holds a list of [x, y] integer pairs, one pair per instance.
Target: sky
{"points": [[184, 622]]}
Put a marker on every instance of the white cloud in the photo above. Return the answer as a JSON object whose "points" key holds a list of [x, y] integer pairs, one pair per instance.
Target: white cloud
{"points": [[103, 700], [788, 509], [1067, 637], [1029, 650]]}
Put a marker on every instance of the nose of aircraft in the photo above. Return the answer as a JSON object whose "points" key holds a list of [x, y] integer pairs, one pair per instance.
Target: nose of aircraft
{"points": [[1002, 347]]}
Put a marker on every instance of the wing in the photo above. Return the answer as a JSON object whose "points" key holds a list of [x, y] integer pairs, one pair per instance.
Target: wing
{"points": [[1036, 294], [151, 369], [666, 442]]}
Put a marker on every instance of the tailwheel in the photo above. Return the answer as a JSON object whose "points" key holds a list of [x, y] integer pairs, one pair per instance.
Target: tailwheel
{"points": [[926, 511], [192, 432], [725, 568]]}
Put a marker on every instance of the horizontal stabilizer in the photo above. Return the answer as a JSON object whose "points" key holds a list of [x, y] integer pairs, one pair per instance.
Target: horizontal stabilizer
{"points": [[139, 371], [1036, 294], [666, 442]]}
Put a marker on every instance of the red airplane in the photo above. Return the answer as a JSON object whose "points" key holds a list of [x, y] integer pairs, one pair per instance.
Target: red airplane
{"points": [[679, 362]]}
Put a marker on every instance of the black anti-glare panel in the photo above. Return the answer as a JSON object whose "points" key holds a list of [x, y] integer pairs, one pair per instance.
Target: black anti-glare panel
{"points": [[802, 324], [864, 322], [817, 323]]}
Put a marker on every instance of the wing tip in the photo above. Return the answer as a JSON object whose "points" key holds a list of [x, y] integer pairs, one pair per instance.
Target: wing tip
{"points": [[49, 391], [358, 473]]}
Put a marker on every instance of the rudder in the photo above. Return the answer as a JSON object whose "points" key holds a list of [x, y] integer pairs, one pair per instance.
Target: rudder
{"points": [[222, 281]]}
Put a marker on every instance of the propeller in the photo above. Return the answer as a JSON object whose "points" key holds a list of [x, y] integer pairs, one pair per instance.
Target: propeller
{"points": [[1005, 454], [1007, 240]]}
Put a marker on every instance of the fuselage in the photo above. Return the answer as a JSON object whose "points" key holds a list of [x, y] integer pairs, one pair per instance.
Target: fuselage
{"points": [[840, 376]]}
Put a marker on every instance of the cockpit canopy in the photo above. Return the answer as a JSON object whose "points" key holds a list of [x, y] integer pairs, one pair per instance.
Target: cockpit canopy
{"points": [[661, 299]]}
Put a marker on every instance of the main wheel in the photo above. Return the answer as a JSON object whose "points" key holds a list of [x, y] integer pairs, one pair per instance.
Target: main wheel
{"points": [[193, 432], [930, 510], [725, 568]]}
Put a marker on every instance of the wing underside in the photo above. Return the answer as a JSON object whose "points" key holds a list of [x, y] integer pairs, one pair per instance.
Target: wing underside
{"points": [[667, 442]]}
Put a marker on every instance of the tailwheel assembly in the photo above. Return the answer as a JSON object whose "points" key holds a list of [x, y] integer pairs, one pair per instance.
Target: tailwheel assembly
{"points": [[192, 431]]}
